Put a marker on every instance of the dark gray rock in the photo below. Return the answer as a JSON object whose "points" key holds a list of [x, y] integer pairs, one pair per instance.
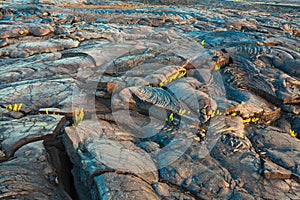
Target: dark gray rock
{"points": [[15, 134], [29, 175], [118, 186]]}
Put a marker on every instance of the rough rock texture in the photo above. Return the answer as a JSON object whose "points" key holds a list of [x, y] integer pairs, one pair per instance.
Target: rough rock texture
{"points": [[29, 175], [166, 100]]}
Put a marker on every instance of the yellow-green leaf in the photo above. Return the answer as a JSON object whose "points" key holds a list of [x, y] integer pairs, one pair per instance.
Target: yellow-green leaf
{"points": [[248, 120], [181, 111], [233, 114], [20, 106], [293, 133], [254, 119], [217, 67], [202, 43], [9, 107], [76, 114], [182, 74], [171, 117], [81, 115], [15, 107]]}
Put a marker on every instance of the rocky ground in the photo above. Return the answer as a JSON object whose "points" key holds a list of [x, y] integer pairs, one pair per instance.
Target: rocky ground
{"points": [[115, 100]]}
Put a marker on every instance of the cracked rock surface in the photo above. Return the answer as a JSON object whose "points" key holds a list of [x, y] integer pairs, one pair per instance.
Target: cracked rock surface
{"points": [[150, 100]]}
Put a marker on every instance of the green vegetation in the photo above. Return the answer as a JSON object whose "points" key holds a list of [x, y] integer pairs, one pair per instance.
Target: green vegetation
{"points": [[251, 119], [217, 112], [171, 117], [15, 108], [233, 114], [217, 68], [182, 112], [293, 133], [79, 115], [202, 43], [179, 74]]}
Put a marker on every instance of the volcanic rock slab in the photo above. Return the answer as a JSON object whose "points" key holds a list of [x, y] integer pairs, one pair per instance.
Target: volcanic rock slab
{"points": [[15, 133], [29, 175]]}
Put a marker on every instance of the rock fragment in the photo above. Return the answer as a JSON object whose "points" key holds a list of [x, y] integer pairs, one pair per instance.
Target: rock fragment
{"points": [[15, 133], [26, 177]]}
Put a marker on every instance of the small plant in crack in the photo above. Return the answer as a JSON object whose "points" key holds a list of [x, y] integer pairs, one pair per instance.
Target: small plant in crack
{"points": [[202, 44], [250, 119], [179, 74], [233, 114], [217, 67], [293, 133], [15, 107], [79, 115], [48, 112]]}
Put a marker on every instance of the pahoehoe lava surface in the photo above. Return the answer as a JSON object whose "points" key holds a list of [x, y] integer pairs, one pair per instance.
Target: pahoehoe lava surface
{"points": [[150, 99]]}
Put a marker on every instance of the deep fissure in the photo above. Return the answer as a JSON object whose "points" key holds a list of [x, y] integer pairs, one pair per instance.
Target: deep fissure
{"points": [[62, 164]]}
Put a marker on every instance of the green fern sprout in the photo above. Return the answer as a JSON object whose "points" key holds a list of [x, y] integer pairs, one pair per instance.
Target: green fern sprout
{"points": [[179, 74], [79, 115], [217, 68], [202, 43], [233, 114], [171, 117], [15, 108], [182, 111], [293, 133], [251, 119]]}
